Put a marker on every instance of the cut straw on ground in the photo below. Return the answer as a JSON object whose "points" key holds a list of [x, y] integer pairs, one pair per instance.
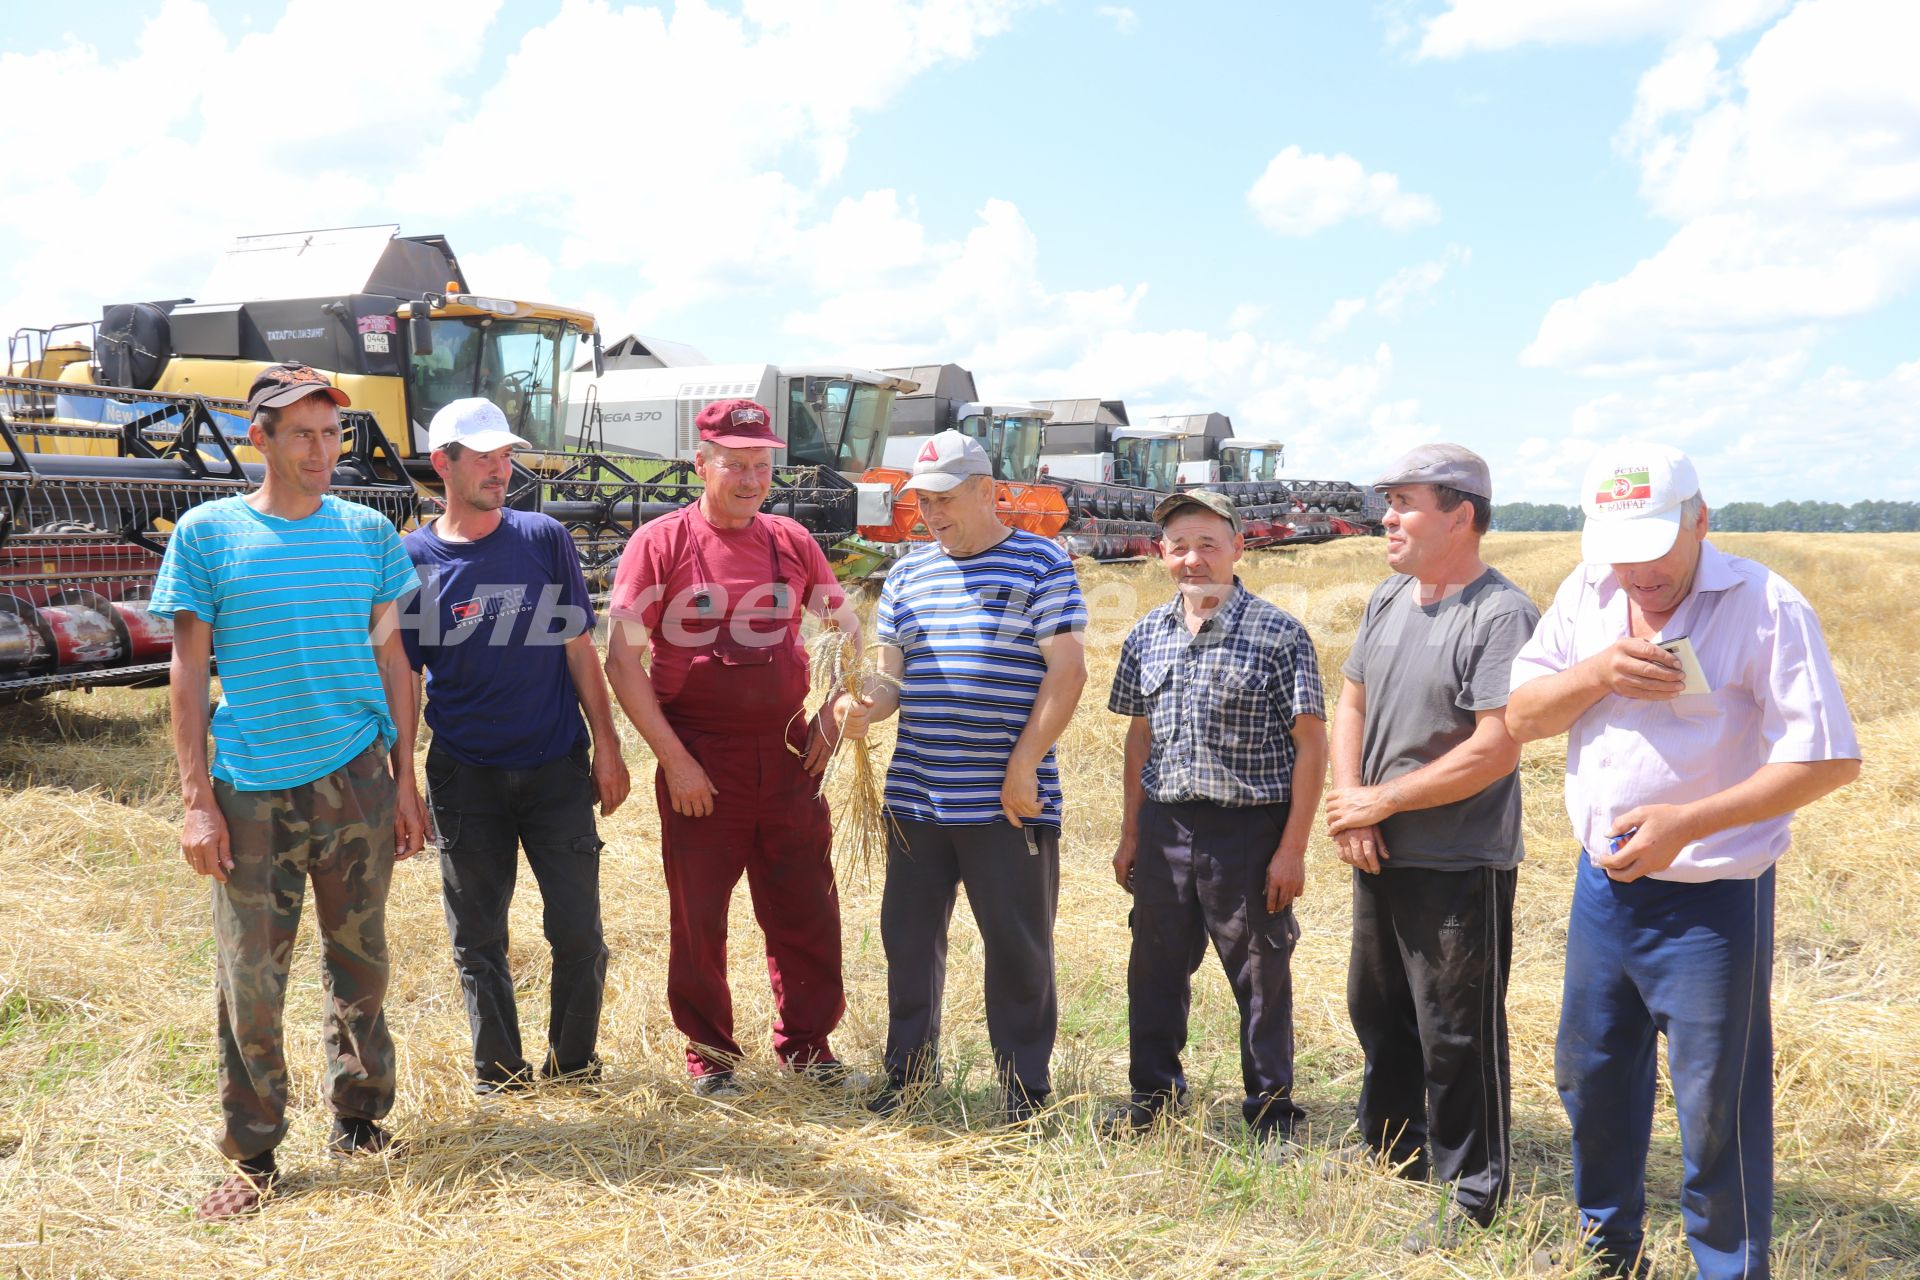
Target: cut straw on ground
{"points": [[107, 1026]]}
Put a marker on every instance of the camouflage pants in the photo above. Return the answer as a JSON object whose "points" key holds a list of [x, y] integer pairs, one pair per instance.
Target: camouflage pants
{"points": [[338, 832]]}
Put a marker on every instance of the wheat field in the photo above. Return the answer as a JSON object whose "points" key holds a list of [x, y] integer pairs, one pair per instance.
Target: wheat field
{"points": [[107, 1063]]}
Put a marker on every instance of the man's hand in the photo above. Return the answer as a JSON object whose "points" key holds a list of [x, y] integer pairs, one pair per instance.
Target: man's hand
{"points": [[1286, 878], [1362, 847], [1123, 859], [853, 715], [610, 780], [1640, 669], [1351, 807], [1664, 830], [822, 738], [203, 839], [1020, 793], [409, 821], [688, 787]]}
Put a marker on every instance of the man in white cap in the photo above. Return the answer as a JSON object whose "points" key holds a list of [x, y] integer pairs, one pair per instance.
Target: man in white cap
{"points": [[1701, 710], [981, 630], [1425, 807], [503, 628]]}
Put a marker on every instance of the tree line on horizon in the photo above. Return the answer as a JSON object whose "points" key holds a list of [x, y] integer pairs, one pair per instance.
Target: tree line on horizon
{"points": [[1867, 516]]}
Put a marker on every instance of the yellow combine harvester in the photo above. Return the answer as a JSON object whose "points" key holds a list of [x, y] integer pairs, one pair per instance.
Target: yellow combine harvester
{"points": [[387, 317]]}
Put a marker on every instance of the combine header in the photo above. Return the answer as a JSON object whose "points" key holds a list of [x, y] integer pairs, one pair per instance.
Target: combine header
{"points": [[82, 532]]}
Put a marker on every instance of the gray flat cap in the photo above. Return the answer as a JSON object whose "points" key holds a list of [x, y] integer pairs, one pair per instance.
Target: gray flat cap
{"points": [[1453, 465]]}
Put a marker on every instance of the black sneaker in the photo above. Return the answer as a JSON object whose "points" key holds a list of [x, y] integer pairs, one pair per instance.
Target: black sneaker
{"points": [[1021, 1108], [352, 1136], [718, 1085], [584, 1074], [892, 1097], [503, 1086], [831, 1073]]}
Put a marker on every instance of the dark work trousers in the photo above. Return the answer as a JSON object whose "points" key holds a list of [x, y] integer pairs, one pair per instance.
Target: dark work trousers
{"points": [[485, 816], [1201, 876], [1012, 875], [1427, 991], [771, 825], [1695, 962]]}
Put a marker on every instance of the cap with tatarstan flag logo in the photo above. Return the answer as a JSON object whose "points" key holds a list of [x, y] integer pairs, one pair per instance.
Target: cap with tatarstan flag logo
{"points": [[1632, 495]]}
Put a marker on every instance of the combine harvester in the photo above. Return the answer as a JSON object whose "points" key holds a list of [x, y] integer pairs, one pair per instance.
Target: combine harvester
{"points": [[1285, 510], [834, 419], [944, 399], [1106, 475], [387, 318], [1051, 496], [82, 533]]}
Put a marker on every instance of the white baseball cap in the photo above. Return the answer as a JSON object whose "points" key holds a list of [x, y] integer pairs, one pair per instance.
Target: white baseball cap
{"points": [[945, 460], [1632, 494], [472, 423]]}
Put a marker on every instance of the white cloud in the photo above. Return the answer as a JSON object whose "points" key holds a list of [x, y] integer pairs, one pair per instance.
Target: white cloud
{"points": [[1303, 192], [1469, 26], [1795, 183], [1342, 313], [1124, 20], [1410, 287], [982, 303], [1764, 430], [669, 190], [284, 127], [1247, 315]]}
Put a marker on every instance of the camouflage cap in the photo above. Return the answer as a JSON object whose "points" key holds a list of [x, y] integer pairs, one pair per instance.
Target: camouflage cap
{"points": [[1206, 499], [279, 385]]}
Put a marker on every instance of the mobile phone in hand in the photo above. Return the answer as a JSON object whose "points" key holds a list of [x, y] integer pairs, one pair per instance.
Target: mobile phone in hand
{"points": [[1682, 648]]}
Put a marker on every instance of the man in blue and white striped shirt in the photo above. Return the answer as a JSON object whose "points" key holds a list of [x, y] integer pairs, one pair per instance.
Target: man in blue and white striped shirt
{"points": [[311, 776], [982, 631]]}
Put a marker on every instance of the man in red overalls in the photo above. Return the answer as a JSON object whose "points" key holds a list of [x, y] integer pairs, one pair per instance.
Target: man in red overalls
{"points": [[716, 591]]}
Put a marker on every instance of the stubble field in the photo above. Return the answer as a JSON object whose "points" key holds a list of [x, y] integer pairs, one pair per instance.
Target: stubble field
{"points": [[107, 1064]]}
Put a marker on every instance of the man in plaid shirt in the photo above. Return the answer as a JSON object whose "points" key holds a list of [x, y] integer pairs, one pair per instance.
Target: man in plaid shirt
{"points": [[1225, 757]]}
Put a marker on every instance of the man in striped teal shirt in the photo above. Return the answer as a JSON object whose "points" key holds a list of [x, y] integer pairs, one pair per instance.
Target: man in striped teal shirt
{"points": [[311, 776], [981, 630]]}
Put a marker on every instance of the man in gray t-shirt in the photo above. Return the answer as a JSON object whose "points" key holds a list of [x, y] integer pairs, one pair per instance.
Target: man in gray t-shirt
{"points": [[1425, 807]]}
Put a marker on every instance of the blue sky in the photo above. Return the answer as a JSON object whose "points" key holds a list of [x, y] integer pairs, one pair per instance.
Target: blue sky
{"points": [[1527, 225]]}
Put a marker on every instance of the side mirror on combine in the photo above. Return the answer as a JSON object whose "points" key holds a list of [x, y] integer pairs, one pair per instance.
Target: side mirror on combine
{"points": [[419, 329], [599, 360]]}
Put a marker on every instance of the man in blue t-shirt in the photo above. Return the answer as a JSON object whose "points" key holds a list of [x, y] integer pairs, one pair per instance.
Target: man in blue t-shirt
{"points": [[311, 777], [980, 633], [503, 628]]}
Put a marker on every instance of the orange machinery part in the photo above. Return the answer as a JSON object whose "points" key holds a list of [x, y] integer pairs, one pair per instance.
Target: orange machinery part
{"points": [[1037, 508]]}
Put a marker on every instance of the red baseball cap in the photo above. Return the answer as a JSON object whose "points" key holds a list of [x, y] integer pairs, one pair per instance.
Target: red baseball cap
{"points": [[737, 424]]}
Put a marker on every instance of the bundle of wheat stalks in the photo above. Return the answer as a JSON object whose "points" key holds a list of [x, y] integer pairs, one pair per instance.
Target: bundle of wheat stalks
{"points": [[850, 782]]}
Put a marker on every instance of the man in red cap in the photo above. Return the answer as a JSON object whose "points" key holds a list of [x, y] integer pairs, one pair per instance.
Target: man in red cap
{"points": [[716, 591]]}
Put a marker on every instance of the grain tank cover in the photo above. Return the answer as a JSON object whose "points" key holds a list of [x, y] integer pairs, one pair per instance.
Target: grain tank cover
{"points": [[333, 263]]}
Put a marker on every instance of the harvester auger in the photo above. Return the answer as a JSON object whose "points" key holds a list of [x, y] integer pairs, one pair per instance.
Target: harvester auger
{"points": [[82, 533]]}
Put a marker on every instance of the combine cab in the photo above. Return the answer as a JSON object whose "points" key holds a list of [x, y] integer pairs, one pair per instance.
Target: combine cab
{"points": [[82, 532]]}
